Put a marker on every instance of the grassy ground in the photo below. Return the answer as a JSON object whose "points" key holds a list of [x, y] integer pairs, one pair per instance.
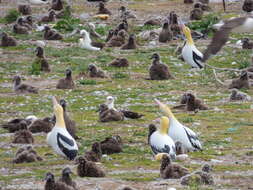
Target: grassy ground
{"points": [[225, 130]]}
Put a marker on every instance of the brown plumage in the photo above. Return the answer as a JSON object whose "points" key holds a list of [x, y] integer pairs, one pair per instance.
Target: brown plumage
{"points": [[166, 34], [29, 20], [118, 39], [23, 88], [100, 45], [57, 5], [193, 103], [66, 178], [15, 125], [196, 14], [52, 185], [7, 40], [41, 125], [50, 18], [151, 130], [204, 1], [188, 1], [26, 155], [169, 170], [67, 82], [153, 22], [18, 29], [159, 70], [131, 114], [122, 25], [241, 82], [180, 149], [23, 136], [202, 6], [173, 23], [119, 62], [247, 44], [96, 72], [109, 35], [44, 66], [25, 9], [87, 168], [95, 153], [111, 145], [248, 6], [236, 95], [107, 115], [24, 22], [50, 34], [103, 10], [131, 44]]}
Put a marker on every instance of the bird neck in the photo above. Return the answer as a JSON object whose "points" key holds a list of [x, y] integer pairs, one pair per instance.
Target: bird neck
{"points": [[60, 120], [189, 39], [164, 128]]}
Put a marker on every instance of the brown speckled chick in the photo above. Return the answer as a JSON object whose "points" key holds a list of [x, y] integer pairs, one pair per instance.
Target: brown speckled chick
{"points": [[25, 9], [131, 44], [96, 72], [7, 41], [87, 168], [41, 125], [111, 145], [67, 82], [23, 136], [120, 62], [66, 178], [26, 155], [95, 153], [169, 170], [193, 103], [103, 10], [23, 88], [51, 184], [107, 115], [57, 5], [241, 82], [50, 34], [166, 34], [15, 125], [44, 66]]}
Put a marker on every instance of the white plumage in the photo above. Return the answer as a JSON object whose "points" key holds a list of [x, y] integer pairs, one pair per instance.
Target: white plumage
{"points": [[37, 2], [85, 42], [179, 132], [110, 102]]}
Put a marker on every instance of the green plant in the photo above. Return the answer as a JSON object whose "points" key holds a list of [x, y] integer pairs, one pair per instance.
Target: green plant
{"points": [[87, 82], [35, 68], [11, 16], [67, 24], [120, 75]]}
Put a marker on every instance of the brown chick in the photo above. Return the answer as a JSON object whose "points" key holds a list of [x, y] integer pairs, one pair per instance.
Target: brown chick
{"points": [[23, 88], [25, 9], [67, 82], [119, 62], [237, 95], [169, 170], [118, 39], [111, 145], [44, 66], [103, 10], [95, 72], [50, 18], [194, 103], [131, 114], [95, 153], [66, 178], [159, 70], [153, 22], [87, 168], [23, 136], [241, 82], [173, 24], [131, 44], [57, 5], [107, 115], [7, 41], [18, 29], [246, 44], [23, 22], [180, 149], [166, 34], [50, 34], [41, 125], [51, 184], [26, 155], [109, 35], [188, 1], [247, 6], [15, 125], [196, 14]]}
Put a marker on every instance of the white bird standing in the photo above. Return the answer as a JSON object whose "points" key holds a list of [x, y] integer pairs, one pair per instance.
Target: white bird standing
{"points": [[179, 132], [59, 138], [190, 53], [160, 141], [85, 42]]}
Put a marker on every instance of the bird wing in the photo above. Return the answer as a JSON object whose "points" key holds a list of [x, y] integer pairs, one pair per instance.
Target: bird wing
{"points": [[197, 59], [221, 36], [67, 146], [193, 138], [165, 149]]}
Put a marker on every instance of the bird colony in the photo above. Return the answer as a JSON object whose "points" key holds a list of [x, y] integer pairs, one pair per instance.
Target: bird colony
{"points": [[124, 95]]}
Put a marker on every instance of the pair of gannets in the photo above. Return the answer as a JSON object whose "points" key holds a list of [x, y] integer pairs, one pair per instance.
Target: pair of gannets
{"points": [[59, 138], [86, 42], [179, 132]]}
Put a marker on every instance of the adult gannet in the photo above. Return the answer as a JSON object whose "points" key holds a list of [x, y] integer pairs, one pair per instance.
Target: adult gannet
{"points": [[59, 138], [179, 132]]}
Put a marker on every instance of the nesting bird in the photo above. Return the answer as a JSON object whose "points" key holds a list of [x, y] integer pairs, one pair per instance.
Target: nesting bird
{"points": [[169, 170], [166, 34], [95, 72], [51, 184], [173, 23], [179, 132], [26, 155], [196, 14], [15, 125], [22, 87], [153, 22], [131, 44], [190, 53], [7, 40], [95, 153], [19, 29], [160, 141], [103, 10], [246, 43], [117, 39], [59, 138], [159, 70], [107, 115], [41, 125], [66, 178], [111, 145], [241, 82], [57, 5], [67, 82], [86, 42], [25, 9], [41, 60], [119, 62], [87, 168], [247, 6], [126, 14], [50, 34], [50, 18], [237, 95], [23, 136]]}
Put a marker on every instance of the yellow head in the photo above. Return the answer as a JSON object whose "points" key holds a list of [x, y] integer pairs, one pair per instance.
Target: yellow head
{"points": [[58, 111], [164, 125], [165, 109], [187, 33], [159, 156]]}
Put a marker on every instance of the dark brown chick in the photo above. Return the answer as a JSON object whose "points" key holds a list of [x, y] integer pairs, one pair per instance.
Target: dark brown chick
{"points": [[131, 44], [44, 66], [51, 184], [111, 145], [7, 40], [23, 136], [50, 34], [246, 44], [96, 72], [23, 88], [50, 18], [196, 14], [95, 153], [103, 10], [67, 82], [41, 125], [66, 178], [57, 5], [241, 82], [18, 29], [15, 125], [153, 22], [26, 155], [131, 114], [25, 9], [118, 39], [247, 6], [166, 34], [107, 115], [119, 62], [193, 103]]}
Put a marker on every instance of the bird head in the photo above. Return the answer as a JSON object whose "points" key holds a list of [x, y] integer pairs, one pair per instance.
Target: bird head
{"points": [[68, 72], [83, 33], [92, 68], [58, 110], [66, 171], [17, 80], [80, 160], [109, 100], [155, 56], [187, 33], [63, 104], [49, 177], [164, 108]]}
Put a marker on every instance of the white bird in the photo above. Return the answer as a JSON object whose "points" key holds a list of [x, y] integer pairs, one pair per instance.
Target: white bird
{"points": [[37, 2], [190, 53], [179, 132], [31, 118], [160, 141], [110, 102], [59, 138], [85, 42]]}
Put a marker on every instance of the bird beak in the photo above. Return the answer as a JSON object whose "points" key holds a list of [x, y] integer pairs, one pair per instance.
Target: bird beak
{"points": [[54, 101]]}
